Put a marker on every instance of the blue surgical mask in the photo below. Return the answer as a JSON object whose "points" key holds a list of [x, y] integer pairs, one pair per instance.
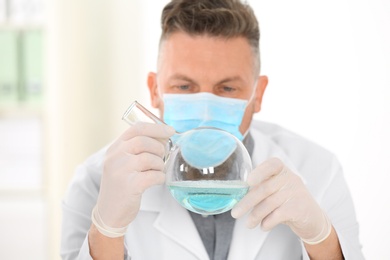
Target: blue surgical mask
{"points": [[188, 111]]}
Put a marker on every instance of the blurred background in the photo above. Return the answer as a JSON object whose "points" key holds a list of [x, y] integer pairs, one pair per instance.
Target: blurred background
{"points": [[69, 69]]}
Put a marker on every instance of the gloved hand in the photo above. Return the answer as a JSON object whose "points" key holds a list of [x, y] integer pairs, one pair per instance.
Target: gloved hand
{"points": [[278, 196], [132, 164]]}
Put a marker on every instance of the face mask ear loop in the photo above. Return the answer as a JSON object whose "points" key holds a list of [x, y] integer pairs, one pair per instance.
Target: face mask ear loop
{"points": [[247, 104], [252, 95]]}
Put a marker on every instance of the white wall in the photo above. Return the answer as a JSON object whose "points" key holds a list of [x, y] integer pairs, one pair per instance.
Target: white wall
{"points": [[328, 64], [329, 69]]}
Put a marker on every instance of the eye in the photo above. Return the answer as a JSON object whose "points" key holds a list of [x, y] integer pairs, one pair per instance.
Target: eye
{"points": [[183, 87], [228, 89]]}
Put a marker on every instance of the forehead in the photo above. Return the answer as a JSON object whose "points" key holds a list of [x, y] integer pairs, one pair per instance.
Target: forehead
{"points": [[206, 52]]}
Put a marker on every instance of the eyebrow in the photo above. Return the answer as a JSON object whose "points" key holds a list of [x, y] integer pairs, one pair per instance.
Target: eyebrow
{"points": [[229, 79], [186, 78], [182, 77]]}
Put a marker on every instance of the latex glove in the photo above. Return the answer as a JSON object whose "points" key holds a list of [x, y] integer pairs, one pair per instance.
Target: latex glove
{"points": [[278, 196], [132, 164]]}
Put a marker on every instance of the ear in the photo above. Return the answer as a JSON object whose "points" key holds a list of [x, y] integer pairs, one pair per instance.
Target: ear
{"points": [[262, 83], [153, 90]]}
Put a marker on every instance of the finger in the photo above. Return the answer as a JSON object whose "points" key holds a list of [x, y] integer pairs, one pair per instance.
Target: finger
{"points": [[266, 207], [275, 218], [256, 195], [144, 162], [146, 179], [265, 170], [142, 144], [160, 131]]}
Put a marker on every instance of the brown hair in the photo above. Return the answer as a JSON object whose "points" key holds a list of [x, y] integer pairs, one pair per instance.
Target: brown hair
{"points": [[219, 18]]}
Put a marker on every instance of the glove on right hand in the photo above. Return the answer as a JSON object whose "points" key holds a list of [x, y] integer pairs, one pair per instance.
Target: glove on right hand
{"points": [[133, 163]]}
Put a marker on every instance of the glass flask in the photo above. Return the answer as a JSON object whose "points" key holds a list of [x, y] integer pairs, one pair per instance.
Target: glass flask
{"points": [[206, 168]]}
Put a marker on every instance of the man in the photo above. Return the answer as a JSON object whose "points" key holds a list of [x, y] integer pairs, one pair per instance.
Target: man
{"points": [[298, 205]]}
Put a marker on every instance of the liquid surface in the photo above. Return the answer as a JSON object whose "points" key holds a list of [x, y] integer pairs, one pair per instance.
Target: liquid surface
{"points": [[208, 197]]}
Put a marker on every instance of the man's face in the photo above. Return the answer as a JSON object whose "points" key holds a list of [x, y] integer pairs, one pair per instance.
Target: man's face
{"points": [[191, 64]]}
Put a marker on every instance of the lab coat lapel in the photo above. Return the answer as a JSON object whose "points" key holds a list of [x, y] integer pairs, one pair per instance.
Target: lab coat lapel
{"points": [[246, 243], [176, 223]]}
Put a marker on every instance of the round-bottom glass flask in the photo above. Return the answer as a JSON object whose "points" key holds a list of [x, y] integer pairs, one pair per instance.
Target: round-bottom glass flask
{"points": [[206, 168]]}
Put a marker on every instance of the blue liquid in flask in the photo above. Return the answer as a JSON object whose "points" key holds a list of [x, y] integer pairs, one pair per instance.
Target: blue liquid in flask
{"points": [[208, 197]]}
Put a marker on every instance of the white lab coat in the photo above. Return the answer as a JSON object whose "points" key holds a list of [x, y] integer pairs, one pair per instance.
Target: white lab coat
{"points": [[164, 230]]}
